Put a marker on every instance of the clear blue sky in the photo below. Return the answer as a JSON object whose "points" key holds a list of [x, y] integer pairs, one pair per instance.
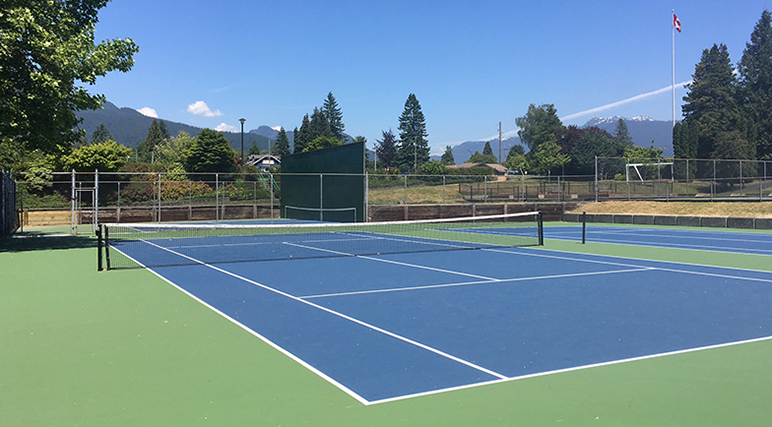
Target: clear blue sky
{"points": [[472, 64]]}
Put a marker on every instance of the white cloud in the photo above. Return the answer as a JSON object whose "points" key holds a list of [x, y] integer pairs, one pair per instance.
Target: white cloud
{"points": [[200, 108], [624, 101], [147, 111], [276, 128], [222, 127]]}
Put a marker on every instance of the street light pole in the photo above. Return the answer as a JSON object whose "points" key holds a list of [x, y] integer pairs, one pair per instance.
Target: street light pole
{"points": [[242, 141]]}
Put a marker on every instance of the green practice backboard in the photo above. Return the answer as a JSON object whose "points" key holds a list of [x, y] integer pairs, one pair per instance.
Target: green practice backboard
{"points": [[325, 185]]}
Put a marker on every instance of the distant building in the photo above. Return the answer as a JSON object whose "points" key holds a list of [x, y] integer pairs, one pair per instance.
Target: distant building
{"points": [[264, 161], [498, 169]]}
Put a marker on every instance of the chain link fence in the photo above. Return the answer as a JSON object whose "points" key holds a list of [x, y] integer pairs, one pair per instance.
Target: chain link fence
{"points": [[682, 179]]}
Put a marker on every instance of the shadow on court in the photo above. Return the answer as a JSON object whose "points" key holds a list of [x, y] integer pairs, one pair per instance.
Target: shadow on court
{"points": [[42, 241]]}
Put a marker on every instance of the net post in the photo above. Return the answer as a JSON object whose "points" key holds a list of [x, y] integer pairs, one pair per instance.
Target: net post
{"points": [[584, 226], [540, 220], [99, 247], [107, 245]]}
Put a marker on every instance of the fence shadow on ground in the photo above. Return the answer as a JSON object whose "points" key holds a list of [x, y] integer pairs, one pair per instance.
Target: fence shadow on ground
{"points": [[37, 241]]}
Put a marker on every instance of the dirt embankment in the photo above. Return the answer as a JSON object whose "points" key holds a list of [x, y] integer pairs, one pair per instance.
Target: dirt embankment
{"points": [[730, 209]]}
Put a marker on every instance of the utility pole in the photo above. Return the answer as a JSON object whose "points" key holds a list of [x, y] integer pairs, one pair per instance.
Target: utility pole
{"points": [[499, 142]]}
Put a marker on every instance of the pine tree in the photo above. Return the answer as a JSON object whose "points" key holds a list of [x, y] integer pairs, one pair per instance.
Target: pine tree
{"points": [[386, 149], [621, 134], [334, 117], [447, 157], [487, 150], [282, 144], [755, 70], [413, 149], [320, 128], [100, 134], [303, 137], [210, 152], [156, 135], [712, 98]]}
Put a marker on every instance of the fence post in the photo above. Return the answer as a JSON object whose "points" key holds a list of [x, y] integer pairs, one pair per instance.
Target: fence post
{"points": [[217, 197], [596, 179], [366, 216], [713, 190], [321, 197], [405, 176], [159, 197], [272, 183], [443, 188], [73, 227]]}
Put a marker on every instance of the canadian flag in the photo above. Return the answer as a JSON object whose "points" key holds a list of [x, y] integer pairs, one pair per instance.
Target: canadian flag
{"points": [[676, 23]]}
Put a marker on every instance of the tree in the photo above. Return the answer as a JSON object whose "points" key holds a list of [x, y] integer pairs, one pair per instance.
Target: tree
{"points": [[334, 117], [303, 136], [621, 134], [587, 147], [47, 50], [539, 125], [319, 125], [106, 156], [100, 134], [711, 100], [447, 157], [433, 167], [487, 150], [210, 152], [282, 144], [386, 149], [755, 72], [517, 162], [547, 157], [157, 134], [254, 149], [481, 158], [322, 142], [175, 150], [413, 150], [515, 150]]}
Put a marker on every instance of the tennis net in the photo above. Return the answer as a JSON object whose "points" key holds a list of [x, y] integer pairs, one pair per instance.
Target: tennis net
{"points": [[166, 244]]}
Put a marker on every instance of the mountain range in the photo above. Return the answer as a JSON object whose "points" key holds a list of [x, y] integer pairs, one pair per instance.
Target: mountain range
{"points": [[643, 130], [129, 127]]}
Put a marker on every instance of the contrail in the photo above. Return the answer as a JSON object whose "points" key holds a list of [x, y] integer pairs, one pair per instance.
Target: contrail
{"points": [[624, 101]]}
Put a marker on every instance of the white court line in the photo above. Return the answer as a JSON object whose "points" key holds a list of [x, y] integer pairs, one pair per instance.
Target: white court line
{"points": [[341, 315], [485, 282], [575, 368], [567, 258], [693, 246], [502, 378]]}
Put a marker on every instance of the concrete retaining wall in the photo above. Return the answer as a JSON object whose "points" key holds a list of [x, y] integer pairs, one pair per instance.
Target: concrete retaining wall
{"points": [[686, 221]]}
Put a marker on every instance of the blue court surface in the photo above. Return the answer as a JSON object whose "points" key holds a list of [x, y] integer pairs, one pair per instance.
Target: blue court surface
{"points": [[705, 240], [388, 327]]}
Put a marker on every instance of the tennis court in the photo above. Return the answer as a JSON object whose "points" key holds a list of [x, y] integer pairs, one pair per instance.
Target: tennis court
{"points": [[392, 323], [759, 243]]}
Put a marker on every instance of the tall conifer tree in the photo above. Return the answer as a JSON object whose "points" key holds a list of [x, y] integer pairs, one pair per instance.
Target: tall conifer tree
{"points": [[755, 70], [303, 136], [334, 117], [711, 100], [282, 144], [413, 149]]}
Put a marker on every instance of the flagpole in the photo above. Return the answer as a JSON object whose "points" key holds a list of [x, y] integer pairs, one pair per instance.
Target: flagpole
{"points": [[672, 31]]}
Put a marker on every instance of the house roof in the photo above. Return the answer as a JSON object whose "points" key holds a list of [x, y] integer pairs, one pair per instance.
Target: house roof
{"points": [[495, 166], [255, 159]]}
